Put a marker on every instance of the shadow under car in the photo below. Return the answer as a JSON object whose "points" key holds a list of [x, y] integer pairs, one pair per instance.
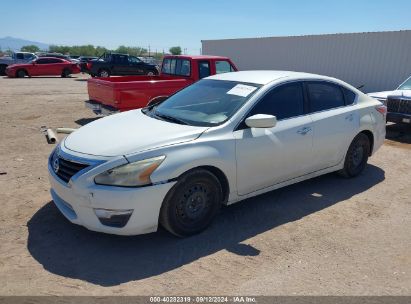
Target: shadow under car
{"points": [[72, 251]]}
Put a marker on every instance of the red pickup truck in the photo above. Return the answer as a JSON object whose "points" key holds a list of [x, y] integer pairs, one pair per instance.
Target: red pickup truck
{"points": [[109, 95]]}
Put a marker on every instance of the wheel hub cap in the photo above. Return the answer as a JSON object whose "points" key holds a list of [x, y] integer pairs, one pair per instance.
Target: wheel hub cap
{"points": [[194, 204]]}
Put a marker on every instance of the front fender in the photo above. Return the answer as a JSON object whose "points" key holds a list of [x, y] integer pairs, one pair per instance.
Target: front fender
{"points": [[220, 155]]}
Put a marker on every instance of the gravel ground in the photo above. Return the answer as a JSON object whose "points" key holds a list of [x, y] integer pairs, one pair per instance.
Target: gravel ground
{"points": [[326, 236]]}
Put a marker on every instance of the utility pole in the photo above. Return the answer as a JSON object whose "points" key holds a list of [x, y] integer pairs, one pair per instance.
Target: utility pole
{"points": [[148, 50]]}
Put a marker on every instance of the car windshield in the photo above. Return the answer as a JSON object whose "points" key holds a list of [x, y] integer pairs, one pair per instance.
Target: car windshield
{"points": [[406, 85], [205, 103]]}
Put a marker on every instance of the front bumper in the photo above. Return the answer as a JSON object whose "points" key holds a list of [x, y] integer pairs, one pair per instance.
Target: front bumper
{"points": [[10, 73], [99, 108], [78, 202], [399, 117]]}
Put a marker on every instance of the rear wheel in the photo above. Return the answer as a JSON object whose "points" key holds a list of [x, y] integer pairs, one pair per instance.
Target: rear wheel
{"points": [[103, 73], [192, 203], [357, 156], [150, 73], [21, 73], [65, 73]]}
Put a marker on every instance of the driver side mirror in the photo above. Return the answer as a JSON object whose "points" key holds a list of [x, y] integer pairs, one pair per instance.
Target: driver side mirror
{"points": [[261, 121]]}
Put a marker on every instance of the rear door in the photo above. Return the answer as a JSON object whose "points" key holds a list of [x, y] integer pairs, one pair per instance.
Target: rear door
{"points": [[335, 123], [55, 66], [40, 67], [267, 156], [120, 65]]}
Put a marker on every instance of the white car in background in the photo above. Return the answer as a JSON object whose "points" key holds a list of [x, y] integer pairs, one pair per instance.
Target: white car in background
{"points": [[398, 102], [223, 139]]}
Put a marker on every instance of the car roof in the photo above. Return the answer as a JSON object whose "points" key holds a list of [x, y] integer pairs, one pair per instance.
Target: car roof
{"points": [[265, 76]]}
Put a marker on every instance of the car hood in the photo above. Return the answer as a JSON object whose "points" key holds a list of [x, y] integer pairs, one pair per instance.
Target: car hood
{"points": [[127, 133], [385, 94]]}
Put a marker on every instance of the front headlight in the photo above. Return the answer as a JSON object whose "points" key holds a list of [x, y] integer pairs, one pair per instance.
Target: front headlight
{"points": [[130, 175]]}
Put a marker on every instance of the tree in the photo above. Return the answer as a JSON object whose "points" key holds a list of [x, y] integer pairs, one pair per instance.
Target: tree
{"points": [[133, 51], [175, 50], [30, 48]]}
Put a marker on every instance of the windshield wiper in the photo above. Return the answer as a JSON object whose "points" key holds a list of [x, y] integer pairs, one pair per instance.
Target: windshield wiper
{"points": [[170, 118]]}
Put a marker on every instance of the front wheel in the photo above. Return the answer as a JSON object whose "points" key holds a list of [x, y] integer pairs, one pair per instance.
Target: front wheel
{"points": [[21, 73], [150, 73], [357, 156], [192, 203]]}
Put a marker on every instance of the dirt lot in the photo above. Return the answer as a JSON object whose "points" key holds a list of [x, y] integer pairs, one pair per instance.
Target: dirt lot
{"points": [[326, 236]]}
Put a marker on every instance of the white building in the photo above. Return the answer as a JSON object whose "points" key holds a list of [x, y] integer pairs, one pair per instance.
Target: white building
{"points": [[377, 60]]}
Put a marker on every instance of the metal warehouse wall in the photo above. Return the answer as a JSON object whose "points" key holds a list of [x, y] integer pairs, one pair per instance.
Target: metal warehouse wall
{"points": [[380, 60]]}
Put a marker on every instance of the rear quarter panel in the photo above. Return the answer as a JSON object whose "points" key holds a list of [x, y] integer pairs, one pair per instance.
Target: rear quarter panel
{"points": [[372, 120]]}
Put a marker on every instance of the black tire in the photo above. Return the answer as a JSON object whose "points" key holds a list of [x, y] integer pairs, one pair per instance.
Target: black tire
{"points": [[66, 73], [103, 73], [151, 73], [21, 73], [3, 69], [191, 205], [357, 156]]}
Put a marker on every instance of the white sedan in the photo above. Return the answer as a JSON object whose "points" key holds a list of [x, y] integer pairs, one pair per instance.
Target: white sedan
{"points": [[223, 139]]}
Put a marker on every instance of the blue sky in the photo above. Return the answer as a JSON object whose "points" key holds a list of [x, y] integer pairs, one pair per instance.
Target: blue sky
{"points": [[162, 23]]}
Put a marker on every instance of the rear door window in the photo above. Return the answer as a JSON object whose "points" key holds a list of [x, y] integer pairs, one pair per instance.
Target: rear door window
{"points": [[120, 59], [20, 56], [183, 67], [166, 66], [55, 60], [204, 69], [324, 96], [223, 66], [43, 61], [180, 67]]}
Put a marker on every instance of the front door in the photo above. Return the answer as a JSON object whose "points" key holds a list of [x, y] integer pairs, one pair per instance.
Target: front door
{"points": [[136, 66], [120, 65], [269, 156]]}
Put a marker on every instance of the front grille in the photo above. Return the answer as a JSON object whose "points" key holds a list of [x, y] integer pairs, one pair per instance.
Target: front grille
{"points": [[65, 169], [399, 105]]}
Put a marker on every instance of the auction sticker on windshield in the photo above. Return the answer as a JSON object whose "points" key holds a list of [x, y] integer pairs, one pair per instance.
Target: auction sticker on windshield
{"points": [[242, 90]]}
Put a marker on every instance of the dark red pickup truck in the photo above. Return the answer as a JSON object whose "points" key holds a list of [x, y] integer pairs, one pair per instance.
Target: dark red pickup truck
{"points": [[118, 94]]}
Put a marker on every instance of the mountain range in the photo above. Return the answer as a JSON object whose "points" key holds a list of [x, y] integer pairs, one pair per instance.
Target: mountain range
{"points": [[15, 44]]}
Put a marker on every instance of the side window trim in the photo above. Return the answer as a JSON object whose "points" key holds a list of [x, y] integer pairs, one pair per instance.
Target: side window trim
{"points": [[305, 99]]}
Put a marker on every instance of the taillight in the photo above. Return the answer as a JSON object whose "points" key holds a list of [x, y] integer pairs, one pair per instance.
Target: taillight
{"points": [[89, 65], [382, 109]]}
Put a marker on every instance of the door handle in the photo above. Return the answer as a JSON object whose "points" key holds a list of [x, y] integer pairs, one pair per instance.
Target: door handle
{"points": [[304, 130]]}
